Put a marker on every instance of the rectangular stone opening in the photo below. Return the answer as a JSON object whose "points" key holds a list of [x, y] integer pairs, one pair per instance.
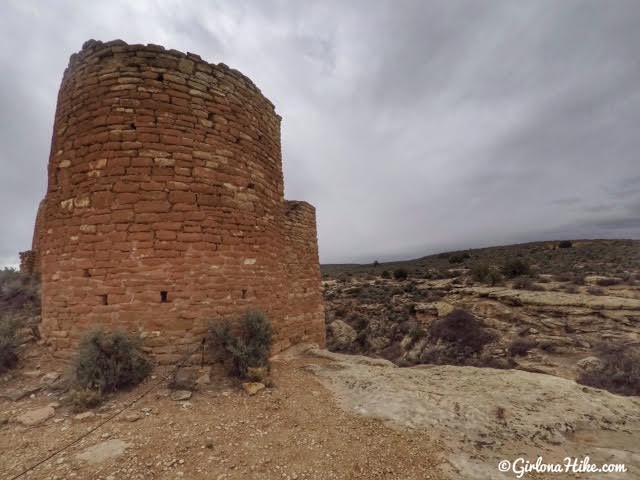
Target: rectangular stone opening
{"points": [[164, 296], [104, 299]]}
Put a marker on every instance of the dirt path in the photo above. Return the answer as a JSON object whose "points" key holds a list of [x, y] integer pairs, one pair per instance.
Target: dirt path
{"points": [[293, 431]]}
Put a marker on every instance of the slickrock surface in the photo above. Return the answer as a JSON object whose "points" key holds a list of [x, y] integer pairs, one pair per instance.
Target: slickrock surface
{"points": [[485, 415]]}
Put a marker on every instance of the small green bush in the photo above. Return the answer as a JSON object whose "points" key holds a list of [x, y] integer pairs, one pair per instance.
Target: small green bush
{"points": [[519, 347], [107, 362], [479, 271], [19, 293], [249, 349], [84, 399], [417, 333], [8, 342], [565, 244], [522, 283], [463, 329], [571, 289], [385, 274], [482, 272], [608, 282], [619, 371], [515, 267], [400, 274], [458, 257]]}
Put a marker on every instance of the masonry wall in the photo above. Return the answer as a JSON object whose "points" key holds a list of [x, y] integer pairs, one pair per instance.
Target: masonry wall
{"points": [[305, 307], [164, 209]]}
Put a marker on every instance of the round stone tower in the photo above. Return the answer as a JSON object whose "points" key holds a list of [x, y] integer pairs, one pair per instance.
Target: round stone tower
{"points": [[165, 205]]}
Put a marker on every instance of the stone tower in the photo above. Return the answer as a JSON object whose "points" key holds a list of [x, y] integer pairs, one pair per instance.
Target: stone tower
{"points": [[165, 205]]}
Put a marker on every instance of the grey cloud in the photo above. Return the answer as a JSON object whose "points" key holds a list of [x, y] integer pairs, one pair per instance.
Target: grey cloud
{"points": [[413, 127]]}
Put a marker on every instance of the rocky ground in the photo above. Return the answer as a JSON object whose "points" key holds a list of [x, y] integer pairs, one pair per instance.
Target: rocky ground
{"points": [[483, 415], [409, 409], [294, 430], [387, 318]]}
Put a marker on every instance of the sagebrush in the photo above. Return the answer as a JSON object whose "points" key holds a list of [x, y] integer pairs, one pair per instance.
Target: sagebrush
{"points": [[618, 372], [248, 346], [457, 339], [109, 361], [8, 342], [515, 267]]}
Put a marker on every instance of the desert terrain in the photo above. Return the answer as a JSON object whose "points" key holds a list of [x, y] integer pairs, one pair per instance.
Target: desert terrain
{"points": [[436, 368]]}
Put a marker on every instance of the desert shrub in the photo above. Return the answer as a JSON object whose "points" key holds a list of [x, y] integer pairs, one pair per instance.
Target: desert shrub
{"points": [[481, 272], [8, 342], [385, 274], [515, 267], [595, 291], [522, 283], [548, 346], [521, 346], [357, 321], [565, 244], [417, 333], [578, 279], [83, 399], [19, 293], [458, 257], [571, 289], [493, 278], [463, 330], [343, 278], [563, 277], [607, 282], [400, 274], [619, 371], [250, 348], [106, 362]]}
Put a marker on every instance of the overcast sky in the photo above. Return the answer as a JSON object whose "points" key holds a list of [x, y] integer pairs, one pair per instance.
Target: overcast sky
{"points": [[412, 126]]}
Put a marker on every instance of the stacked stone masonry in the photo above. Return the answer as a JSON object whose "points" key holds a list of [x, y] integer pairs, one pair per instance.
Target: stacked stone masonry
{"points": [[165, 206]]}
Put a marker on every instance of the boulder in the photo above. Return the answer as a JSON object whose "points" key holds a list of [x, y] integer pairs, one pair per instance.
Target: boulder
{"points": [[19, 393], [252, 387], [36, 416], [81, 417], [181, 395], [184, 379], [103, 451], [589, 364], [342, 334]]}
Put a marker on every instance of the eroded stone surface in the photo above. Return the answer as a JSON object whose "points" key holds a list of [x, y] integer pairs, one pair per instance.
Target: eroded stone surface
{"points": [[485, 415], [103, 451], [36, 416], [253, 387]]}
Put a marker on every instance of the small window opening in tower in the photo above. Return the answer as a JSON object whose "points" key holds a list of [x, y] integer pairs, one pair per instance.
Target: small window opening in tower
{"points": [[164, 296]]}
